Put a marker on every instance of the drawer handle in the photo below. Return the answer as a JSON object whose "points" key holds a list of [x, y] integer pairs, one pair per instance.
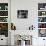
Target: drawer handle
{"points": [[1, 39], [43, 39]]}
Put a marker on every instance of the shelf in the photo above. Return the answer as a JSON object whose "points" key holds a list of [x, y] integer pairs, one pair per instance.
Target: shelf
{"points": [[3, 22], [3, 16], [42, 16], [41, 10], [42, 19], [3, 10], [41, 28], [41, 22]]}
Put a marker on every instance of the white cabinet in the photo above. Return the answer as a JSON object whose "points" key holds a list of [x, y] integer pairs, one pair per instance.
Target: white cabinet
{"points": [[41, 41], [42, 19], [4, 21], [3, 40]]}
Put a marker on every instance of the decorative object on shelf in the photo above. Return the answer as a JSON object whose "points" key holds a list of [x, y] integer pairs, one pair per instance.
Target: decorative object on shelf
{"points": [[41, 6], [13, 27], [4, 29], [4, 26], [3, 19], [40, 25], [3, 6], [4, 32], [3, 13], [42, 32], [24, 37], [6, 7], [31, 27], [22, 14], [43, 13], [41, 19]]}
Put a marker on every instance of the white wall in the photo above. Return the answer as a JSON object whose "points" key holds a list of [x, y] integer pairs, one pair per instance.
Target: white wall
{"points": [[23, 24]]}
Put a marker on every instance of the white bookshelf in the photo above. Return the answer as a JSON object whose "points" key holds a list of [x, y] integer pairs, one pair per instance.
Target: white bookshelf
{"points": [[42, 19], [2, 42], [42, 14], [42, 10], [4, 17]]}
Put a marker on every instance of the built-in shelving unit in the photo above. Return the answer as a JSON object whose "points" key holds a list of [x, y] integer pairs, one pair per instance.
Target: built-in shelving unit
{"points": [[42, 19], [4, 19]]}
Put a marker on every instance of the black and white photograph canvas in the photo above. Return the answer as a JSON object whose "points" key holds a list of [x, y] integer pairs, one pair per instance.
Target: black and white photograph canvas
{"points": [[22, 14]]}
